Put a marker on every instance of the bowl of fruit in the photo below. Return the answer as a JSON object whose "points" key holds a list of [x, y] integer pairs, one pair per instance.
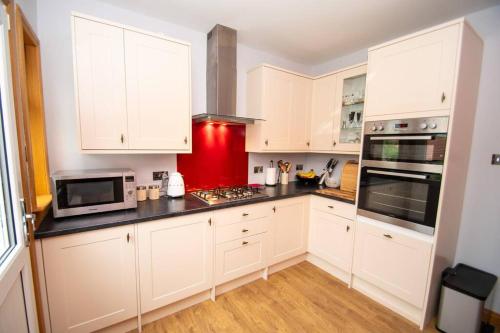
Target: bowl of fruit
{"points": [[307, 178]]}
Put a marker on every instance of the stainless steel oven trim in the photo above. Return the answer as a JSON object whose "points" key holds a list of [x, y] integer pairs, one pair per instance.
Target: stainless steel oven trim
{"points": [[398, 222], [403, 166], [398, 174], [401, 137]]}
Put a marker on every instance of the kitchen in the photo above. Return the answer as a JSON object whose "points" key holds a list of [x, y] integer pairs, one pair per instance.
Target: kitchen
{"points": [[217, 106]]}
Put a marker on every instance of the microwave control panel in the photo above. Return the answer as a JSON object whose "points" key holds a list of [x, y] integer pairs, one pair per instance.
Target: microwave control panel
{"points": [[129, 192]]}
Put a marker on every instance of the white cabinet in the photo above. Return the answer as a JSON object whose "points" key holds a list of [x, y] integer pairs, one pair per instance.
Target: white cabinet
{"points": [[413, 74], [322, 113], [100, 80], [133, 89], [158, 92], [331, 238], [283, 100], [288, 232], [392, 261], [90, 279], [175, 259]]}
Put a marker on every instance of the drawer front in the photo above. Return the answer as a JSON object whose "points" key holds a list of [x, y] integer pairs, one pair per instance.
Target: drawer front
{"points": [[392, 261], [237, 258], [242, 229], [243, 213], [332, 206]]}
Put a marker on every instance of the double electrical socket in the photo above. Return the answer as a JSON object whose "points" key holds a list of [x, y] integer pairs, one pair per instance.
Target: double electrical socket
{"points": [[258, 169], [157, 175], [495, 159]]}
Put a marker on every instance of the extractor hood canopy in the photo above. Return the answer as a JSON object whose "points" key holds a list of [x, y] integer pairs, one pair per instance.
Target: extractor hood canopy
{"points": [[221, 78]]}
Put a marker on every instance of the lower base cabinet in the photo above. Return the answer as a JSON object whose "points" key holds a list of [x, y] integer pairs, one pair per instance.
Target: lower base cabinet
{"points": [[392, 261], [90, 279], [175, 259], [331, 238], [288, 232]]}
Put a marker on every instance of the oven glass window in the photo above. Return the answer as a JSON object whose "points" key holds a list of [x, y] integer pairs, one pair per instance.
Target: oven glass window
{"points": [[89, 192], [400, 196], [408, 148]]}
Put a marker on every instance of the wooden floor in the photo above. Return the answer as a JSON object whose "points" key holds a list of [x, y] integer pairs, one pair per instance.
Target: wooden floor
{"points": [[302, 298]]}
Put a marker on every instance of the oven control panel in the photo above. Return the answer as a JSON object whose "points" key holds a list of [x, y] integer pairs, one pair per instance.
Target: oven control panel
{"points": [[407, 126]]}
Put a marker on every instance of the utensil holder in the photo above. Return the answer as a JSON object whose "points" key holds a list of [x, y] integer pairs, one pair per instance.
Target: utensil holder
{"points": [[284, 178]]}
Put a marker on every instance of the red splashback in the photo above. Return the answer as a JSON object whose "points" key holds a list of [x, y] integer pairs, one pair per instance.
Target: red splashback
{"points": [[218, 158]]}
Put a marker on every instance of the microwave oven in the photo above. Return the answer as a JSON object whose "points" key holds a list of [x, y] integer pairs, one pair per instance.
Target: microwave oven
{"points": [[78, 192]]}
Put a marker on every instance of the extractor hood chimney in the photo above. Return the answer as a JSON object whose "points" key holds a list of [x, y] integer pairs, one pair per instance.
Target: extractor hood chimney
{"points": [[221, 77]]}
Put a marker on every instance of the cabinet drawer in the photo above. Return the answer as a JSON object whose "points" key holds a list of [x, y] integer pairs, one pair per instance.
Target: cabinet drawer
{"points": [[240, 257], [392, 261], [243, 213], [332, 206], [242, 229]]}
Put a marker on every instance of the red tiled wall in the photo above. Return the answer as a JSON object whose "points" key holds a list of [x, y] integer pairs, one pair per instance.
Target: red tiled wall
{"points": [[218, 158]]}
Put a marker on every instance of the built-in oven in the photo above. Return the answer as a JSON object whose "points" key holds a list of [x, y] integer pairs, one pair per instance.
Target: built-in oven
{"points": [[78, 192], [401, 170]]}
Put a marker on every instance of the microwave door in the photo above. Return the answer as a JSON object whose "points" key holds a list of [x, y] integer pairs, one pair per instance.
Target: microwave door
{"points": [[404, 198]]}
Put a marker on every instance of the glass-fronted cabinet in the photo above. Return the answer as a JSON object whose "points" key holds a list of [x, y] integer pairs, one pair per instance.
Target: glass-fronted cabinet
{"points": [[349, 109]]}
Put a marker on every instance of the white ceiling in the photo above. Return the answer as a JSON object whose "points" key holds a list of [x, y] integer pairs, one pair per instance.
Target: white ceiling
{"points": [[308, 31]]}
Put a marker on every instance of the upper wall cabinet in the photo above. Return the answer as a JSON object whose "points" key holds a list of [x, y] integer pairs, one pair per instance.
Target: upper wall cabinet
{"points": [[323, 113], [412, 75], [133, 89], [283, 100]]}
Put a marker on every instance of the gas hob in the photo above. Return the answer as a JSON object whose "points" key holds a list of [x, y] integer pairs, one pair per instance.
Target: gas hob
{"points": [[222, 195]]}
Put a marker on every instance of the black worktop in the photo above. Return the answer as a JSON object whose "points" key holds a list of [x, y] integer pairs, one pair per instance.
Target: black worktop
{"points": [[162, 208]]}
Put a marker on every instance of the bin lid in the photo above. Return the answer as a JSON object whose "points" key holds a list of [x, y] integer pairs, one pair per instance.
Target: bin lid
{"points": [[469, 280]]}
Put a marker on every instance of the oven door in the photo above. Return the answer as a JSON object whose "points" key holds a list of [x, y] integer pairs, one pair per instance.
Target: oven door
{"points": [[88, 195], [405, 151], [404, 198]]}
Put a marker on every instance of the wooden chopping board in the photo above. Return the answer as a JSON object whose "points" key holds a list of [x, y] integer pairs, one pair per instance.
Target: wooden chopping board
{"points": [[337, 193], [348, 180]]}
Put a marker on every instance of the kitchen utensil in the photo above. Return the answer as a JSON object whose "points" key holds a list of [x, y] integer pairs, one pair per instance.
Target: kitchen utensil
{"points": [[154, 192], [141, 193], [271, 164], [288, 165], [164, 184], [330, 165], [348, 181], [175, 185], [271, 176]]}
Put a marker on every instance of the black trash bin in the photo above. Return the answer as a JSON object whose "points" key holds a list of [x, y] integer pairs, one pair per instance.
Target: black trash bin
{"points": [[463, 292]]}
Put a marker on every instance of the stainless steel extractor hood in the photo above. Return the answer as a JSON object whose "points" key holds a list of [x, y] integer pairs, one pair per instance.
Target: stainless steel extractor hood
{"points": [[221, 78]]}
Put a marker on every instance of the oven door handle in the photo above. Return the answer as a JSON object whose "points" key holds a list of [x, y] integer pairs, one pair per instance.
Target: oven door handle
{"points": [[398, 174], [401, 137]]}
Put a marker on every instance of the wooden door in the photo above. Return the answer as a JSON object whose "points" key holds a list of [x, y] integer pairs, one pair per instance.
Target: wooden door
{"points": [[322, 113], [158, 92], [349, 109], [175, 259], [394, 262], [300, 118], [277, 105], [99, 67], [91, 279], [288, 230], [413, 75], [331, 239]]}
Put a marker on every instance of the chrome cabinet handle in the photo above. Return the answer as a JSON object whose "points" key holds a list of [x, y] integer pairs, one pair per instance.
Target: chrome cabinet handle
{"points": [[443, 97], [128, 237], [347, 228], [274, 209], [308, 143], [244, 243], [122, 138], [185, 140], [334, 143], [266, 142], [387, 236], [244, 230], [210, 221]]}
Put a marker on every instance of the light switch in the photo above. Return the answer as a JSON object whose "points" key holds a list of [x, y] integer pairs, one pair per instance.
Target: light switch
{"points": [[495, 159]]}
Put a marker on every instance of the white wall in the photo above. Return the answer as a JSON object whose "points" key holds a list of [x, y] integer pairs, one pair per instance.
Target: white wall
{"points": [[341, 62], [29, 9], [55, 37], [479, 240]]}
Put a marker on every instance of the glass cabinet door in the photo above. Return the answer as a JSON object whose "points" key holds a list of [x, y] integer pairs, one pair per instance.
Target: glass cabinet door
{"points": [[350, 105]]}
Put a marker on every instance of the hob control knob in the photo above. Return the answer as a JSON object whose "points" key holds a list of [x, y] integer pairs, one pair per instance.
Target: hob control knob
{"points": [[432, 126], [423, 126], [380, 127], [374, 128]]}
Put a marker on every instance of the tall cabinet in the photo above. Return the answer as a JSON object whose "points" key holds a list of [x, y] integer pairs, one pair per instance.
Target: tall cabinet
{"points": [[132, 89]]}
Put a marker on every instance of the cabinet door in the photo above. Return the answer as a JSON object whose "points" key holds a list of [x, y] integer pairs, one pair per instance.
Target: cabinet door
{"points": [[240, 257], [277, 105], [322, 113], [349, 109], [331, 239], [413, 75], [300, 118], [394, 262], [175, 259], [288, 230], [158, 92], [91, 279], [100, 85]]}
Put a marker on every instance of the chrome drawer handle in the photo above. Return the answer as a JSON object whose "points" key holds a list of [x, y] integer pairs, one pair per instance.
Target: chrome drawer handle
{"points": [[331, 207], [387, 236], [244, 230], [244, 243], [245, 214]]}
